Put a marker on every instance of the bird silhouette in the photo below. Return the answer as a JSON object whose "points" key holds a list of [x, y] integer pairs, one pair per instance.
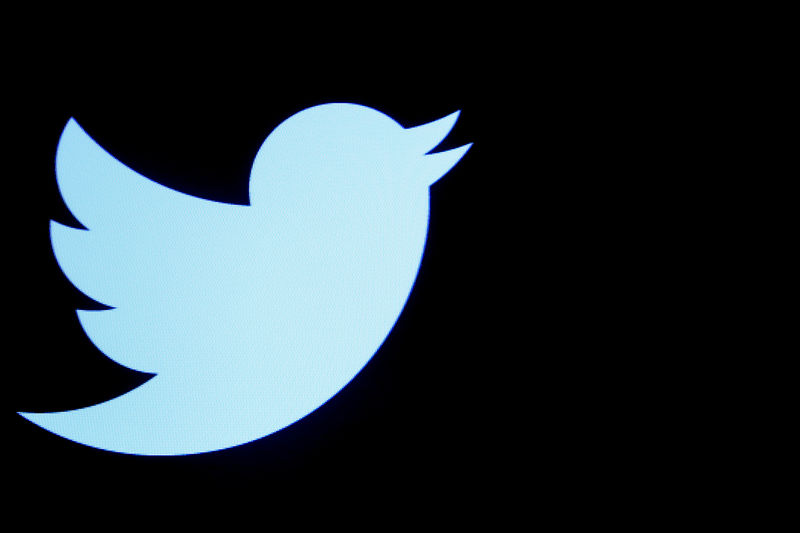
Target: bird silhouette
{"points": [[250, 316]]}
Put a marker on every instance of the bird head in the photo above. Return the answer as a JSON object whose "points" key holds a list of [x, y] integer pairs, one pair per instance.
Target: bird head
{"points": [[350, 147]]}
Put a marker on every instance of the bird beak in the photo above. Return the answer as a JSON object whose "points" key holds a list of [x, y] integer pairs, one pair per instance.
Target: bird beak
{"points": [[425, 138]]}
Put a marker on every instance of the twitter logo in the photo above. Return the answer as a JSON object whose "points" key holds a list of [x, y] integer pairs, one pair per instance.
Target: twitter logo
{"points": [[250, 316]]}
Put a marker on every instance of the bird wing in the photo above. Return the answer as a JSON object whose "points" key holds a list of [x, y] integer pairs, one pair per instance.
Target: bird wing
{"points": [[149, 252]]}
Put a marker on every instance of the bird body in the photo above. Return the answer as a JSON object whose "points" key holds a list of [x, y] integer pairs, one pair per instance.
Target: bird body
{"points": [[250, 316]]}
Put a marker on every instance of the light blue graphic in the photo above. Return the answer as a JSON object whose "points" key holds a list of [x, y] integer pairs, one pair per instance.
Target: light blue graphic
{"points": [[250, 316]]}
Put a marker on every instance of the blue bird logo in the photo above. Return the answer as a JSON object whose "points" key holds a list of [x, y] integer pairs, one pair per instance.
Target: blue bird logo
{"points": [[250, 316]]}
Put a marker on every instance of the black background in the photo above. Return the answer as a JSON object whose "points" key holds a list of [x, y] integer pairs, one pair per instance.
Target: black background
{"points": [[439, 413], [554, 359], [528, 371]]}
